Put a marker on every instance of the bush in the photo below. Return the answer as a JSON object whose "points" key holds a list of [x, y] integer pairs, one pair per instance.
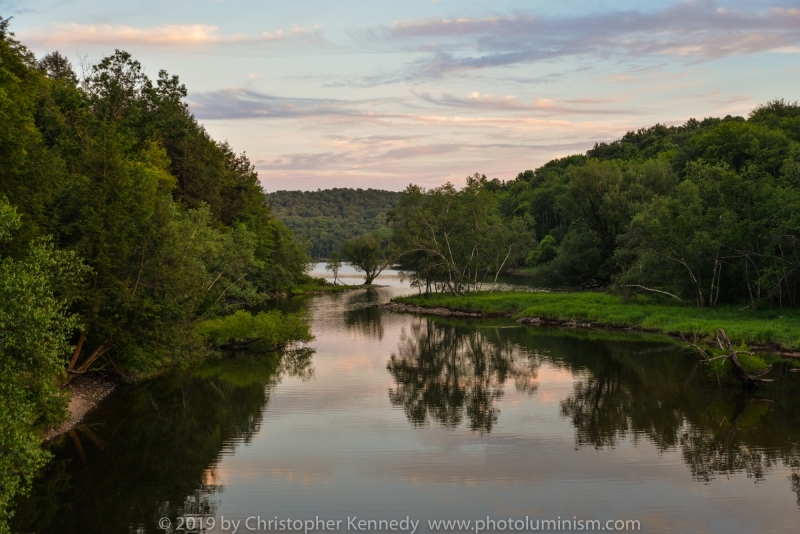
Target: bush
{"points": [[273, 329]]}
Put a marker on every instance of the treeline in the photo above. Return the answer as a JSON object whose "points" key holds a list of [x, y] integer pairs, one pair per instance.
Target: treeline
{"points": [[704, 213], [123, 225], [329, 217]]}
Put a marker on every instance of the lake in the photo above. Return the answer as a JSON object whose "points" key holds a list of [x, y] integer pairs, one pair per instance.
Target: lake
{"points": [[394, 417]]}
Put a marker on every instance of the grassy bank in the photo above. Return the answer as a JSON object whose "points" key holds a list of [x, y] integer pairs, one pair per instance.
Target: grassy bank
{"points": [[777, 327], [310, 289]]}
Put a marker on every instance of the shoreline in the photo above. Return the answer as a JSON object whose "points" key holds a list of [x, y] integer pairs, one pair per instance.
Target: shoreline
{"points": [[86, 393], [399, 307], [529, 320]]}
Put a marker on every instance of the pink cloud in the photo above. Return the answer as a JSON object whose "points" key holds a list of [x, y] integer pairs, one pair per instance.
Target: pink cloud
{"points": [[168, 35]]}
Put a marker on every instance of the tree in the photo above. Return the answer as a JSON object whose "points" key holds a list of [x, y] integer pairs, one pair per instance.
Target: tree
{"points": [[333, 265], [129, 227], [717, 236], [35, 328], [456, 239], [369, 254]]}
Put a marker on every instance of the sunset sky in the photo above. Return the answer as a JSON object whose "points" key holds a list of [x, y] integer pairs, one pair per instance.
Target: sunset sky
{"points": [[381, 94]]}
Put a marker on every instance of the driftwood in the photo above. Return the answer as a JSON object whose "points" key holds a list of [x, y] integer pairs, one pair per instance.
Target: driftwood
{"points": [[748, 380]]}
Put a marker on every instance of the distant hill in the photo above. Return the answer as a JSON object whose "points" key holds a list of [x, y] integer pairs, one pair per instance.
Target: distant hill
{"points": [[331, 216]]}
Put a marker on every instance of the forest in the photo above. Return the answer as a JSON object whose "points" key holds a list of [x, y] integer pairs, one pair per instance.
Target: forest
{"points": [[704, 213], [128, 239], [327, 218]]}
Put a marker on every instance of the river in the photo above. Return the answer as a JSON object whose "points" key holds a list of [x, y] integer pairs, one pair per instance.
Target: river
{"points": [[398, 417]]}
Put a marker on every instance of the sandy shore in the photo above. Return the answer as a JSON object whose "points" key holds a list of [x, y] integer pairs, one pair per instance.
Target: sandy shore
{"points": [[86, 393]]}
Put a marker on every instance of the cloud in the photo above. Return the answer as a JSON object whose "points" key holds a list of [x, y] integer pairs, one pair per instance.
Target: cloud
{"points": [[168, 35], [695, 30], [372, 158], [542, 106], [243, 103]]}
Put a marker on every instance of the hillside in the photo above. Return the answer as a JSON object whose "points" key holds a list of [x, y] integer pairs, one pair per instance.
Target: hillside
{"points": [[331, 216]]}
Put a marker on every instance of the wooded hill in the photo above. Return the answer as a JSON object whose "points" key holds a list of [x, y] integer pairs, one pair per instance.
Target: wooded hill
{"points": [[123, 227], [703, 213], [327, 218]]}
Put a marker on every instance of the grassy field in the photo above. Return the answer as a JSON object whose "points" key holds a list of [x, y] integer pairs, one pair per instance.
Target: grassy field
{"points": [[777, 327]]}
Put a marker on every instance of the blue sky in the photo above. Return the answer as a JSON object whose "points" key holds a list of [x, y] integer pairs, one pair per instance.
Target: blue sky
{"points": [[382, 94]]}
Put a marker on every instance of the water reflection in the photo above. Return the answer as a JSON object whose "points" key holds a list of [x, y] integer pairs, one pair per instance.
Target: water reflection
{"points": [[151, 451], [362, 314], [626, 390], [482, 417], [446, 371], [680, 405]]}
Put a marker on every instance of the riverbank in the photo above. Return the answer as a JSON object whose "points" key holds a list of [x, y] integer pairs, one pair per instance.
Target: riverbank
{"points": [[777, 329], [86, 392], [317, 289]]}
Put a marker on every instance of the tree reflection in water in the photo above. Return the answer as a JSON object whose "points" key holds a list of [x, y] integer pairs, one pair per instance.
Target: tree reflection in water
{"points": [[151, 451], [626, 388], [678, 405], [445, 371], [363, 315]]}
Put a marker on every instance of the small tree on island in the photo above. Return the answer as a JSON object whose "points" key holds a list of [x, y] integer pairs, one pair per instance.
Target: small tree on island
{"points": [[333, 265], [369, 254]]}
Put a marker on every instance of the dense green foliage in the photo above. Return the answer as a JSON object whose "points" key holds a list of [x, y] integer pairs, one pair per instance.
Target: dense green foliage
{"points": [[34, 333], [776, 327], [704, 213], [453, 239], [123, 225], [329, 218]]}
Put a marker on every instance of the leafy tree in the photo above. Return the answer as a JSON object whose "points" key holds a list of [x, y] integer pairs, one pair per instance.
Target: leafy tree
{"points": [[35, 328], [718, 234], [369, 254], [334, 264], [707, 208], [456, 239], [545, 251], [130, 227]]}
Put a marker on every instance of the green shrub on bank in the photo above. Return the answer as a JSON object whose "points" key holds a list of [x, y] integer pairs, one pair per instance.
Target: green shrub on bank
{"points": [[272, 329]]}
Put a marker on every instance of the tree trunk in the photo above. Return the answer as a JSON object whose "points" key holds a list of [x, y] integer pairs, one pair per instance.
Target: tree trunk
{"points": [[77, 353], [99, 351], [749, 382]]}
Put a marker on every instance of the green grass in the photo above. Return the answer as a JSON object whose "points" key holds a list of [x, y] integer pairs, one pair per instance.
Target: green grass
{"points": [[777, 327]]}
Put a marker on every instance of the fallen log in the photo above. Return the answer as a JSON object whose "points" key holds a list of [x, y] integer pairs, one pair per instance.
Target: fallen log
{"points": [[749, 380]]}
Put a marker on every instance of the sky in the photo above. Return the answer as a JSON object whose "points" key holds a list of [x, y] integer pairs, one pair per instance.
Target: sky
{"points": [[380, 94]]}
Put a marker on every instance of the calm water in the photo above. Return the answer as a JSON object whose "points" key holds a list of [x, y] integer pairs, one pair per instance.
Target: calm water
{"points": [[389, 416]]}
